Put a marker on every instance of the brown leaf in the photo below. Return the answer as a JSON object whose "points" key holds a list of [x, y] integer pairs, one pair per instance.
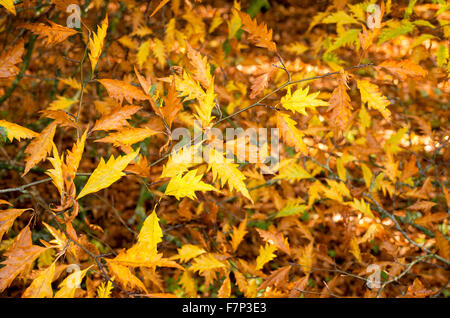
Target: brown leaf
{"points": [[277, 278], [19, 256], [442, 245], [340, 106], [8, 59], [435, 217], [276, 239]]}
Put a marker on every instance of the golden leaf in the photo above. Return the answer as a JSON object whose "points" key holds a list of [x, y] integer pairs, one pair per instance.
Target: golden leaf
{"points": [[238, 234], [185, 186], [107, 173], [96, 43], [16, 131], [70, 284], [371, 95], [266, 254], [39, 147], [227, 172], [188, 252], [289, 132], [128, 136], [8, 5], [41, 287]]}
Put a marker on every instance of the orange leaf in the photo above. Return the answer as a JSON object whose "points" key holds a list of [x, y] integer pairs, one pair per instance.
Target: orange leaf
{"points": [[120, 90], [442, 245], [19, 257], [258, 34], [276, 239], [55, 33], [9, 58], [116, 119], [404, 68], [40, 147], [340, 106]]}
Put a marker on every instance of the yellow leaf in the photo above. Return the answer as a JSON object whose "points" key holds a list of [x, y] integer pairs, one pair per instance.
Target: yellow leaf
{"points": [[206, 262], [266, 254], [107, 173], [9, 5], [159, 51], [342, 173], [151, 233], [188, 284], [69, 285], [371, 95], [71, 82], [354, 249], [205, 107], [289, 132], [188, 87], [238, 234], [128, 136], [292, 171], [185, 186], [300, 100], [188, 252], [143, 53], [180, 161], [61, 102], [367, 175], [226, 171], [362, 206], [41, 287], [123, 275], [96, 43], [73, 158], [104, 290], [234, 24], [56, 173], [16, 131]]}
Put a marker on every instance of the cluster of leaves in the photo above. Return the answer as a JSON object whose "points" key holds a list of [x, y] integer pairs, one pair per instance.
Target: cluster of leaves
{"points": [[359, 93]]}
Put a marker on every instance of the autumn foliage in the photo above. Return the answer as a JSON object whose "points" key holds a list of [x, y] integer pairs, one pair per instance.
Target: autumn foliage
{"points": [[94, 186]]}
